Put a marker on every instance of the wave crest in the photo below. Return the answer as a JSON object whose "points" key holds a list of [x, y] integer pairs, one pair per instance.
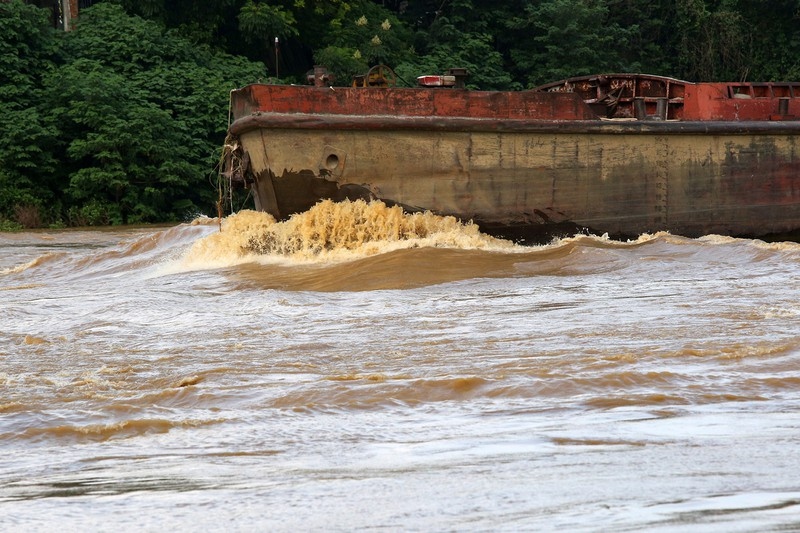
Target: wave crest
{"points": [[337, 231]]}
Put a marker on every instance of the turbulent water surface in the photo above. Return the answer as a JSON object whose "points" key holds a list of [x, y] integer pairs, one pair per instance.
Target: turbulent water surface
{"points": [[357, 368]]}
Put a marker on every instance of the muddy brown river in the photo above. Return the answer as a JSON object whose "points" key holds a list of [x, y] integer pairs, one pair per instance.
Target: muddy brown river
{"points": [[359, 369]]}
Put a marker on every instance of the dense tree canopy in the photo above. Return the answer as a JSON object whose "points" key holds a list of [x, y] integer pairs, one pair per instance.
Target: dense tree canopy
{"points": [[516, 43], [118, 121], [121, 120]]}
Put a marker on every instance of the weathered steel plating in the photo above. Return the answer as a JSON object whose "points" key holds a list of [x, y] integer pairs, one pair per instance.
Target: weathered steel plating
{"points": [[621, 153]]}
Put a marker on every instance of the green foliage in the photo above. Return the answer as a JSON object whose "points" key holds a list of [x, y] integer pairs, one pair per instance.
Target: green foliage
{"points": [[200, 22], [14, 194], [122, 144], [462, 37], [474, 53], [366, 35], [774, 29], [144, 118], [27, 43], [93, 213], [10, 225], [510, 44], [649, 31], [564, 38], [27, 46], [713, 43], [28, 167], [343, 63], [258, 22], [118, 121]]}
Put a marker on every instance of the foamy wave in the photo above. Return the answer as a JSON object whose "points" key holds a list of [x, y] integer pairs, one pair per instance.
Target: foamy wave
{"points": [[30, 264], [605, 240], [777, 246], [333, 232], [112, 430]]}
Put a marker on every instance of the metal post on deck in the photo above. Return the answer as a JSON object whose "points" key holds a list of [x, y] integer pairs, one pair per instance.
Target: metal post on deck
{"points": [[277, 75], [640, 108], [661, 108]]}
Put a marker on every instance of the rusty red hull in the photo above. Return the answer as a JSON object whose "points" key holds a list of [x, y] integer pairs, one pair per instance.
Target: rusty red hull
{"points": [[656, 155]]}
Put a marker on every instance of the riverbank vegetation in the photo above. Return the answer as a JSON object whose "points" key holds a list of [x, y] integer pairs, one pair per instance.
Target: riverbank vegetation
{"points": [[122, 119]]}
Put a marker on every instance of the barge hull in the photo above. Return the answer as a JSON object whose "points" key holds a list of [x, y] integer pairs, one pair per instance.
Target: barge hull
{"points": [[532, 179]]}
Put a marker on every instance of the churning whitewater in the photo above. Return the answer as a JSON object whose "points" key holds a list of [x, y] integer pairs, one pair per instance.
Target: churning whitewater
{"points": [[356, 367]]}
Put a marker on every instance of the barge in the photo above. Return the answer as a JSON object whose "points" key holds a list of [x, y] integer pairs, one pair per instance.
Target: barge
{"points": [[617, 154]]}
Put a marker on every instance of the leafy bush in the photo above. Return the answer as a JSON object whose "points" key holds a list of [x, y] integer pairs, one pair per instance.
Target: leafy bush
{"points": [[118, 121]]}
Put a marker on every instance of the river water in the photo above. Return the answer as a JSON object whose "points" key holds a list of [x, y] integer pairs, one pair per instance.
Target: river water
{"points": [[359, 369]]}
